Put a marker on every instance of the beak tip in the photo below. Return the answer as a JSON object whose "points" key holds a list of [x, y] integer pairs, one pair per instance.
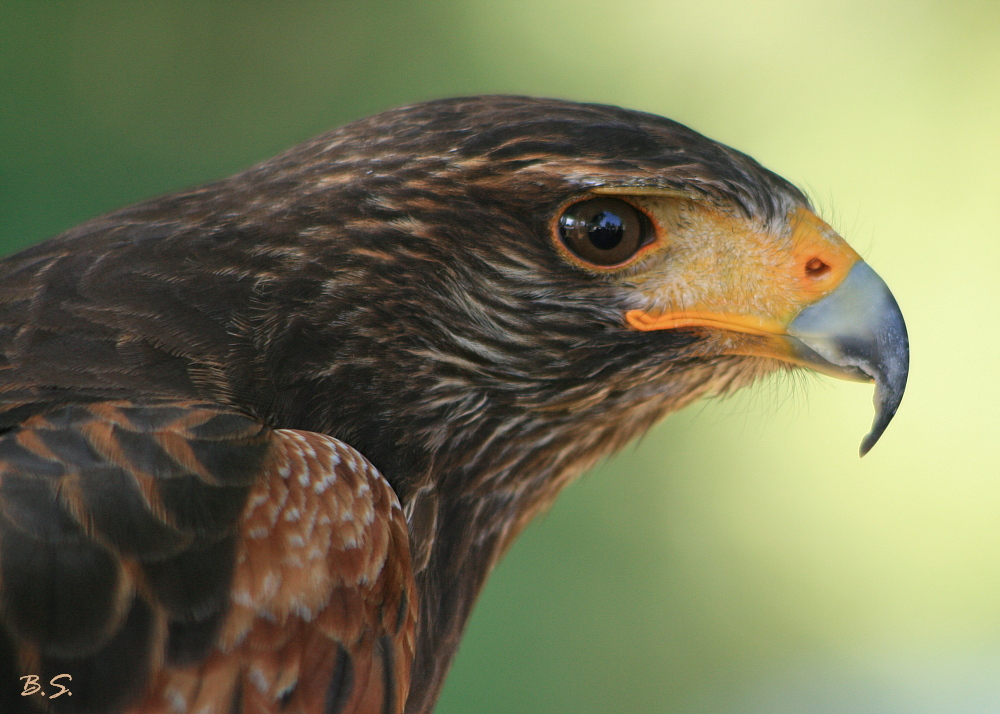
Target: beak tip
{"points": [[887, 399], [867, 443], [872, 437]]}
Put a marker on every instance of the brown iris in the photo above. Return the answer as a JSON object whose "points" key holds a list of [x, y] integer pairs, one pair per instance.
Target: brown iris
{"points": [[604, 231]]}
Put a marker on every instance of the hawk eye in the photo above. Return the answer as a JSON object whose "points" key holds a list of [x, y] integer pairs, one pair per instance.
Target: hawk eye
{"points": [[604, 231]]}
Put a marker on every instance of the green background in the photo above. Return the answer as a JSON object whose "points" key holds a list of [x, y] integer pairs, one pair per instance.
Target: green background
{"points": [[741, 558]]}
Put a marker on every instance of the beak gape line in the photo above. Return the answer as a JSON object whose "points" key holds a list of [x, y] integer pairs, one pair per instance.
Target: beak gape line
{"points": [[855, 331]]}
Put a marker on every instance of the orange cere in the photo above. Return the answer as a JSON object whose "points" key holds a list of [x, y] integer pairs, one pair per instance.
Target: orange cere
{"points": [[814, 260]]}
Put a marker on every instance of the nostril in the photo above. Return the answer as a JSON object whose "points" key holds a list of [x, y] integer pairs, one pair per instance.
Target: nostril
{"points": [[816, 268]]}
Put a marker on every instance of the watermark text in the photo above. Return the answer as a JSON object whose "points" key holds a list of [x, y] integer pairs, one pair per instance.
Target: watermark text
{"points": [[31, 686]]}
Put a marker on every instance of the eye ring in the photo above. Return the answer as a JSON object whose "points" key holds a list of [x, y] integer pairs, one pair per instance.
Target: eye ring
{"points": [[604, 231]]}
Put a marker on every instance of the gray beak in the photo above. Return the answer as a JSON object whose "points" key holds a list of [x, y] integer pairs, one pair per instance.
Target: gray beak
{"points": [[857, 332]]}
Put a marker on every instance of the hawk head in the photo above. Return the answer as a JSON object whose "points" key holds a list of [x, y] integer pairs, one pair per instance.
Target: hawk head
{"points": [[463, 277]]}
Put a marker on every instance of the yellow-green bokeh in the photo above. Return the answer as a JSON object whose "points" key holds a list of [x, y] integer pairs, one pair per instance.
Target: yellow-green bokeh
{"points": [[741, 558]]}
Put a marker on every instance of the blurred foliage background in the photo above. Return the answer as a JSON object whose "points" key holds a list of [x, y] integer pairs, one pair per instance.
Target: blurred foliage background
{"points": [[740, 558]]}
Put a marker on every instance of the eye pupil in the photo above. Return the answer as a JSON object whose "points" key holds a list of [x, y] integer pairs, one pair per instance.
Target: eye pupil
{"points": [[604, 231]]}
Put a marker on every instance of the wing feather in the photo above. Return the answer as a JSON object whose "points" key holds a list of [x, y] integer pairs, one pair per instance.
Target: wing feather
{"points": [[178, 556]]}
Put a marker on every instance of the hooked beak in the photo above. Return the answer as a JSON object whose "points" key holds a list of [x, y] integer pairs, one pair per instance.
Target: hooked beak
{"points": [[857, 332], [822, 308]]}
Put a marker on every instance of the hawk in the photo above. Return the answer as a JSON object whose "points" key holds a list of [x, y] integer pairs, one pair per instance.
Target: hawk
{"points": [[262, 441]]}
